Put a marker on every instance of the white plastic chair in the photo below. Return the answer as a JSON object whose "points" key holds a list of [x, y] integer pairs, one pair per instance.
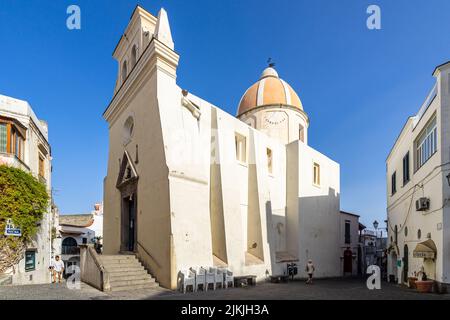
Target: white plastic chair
{"points": [[200, 277], [227, 278], [218, 277], [210, 279], [187, 278]]}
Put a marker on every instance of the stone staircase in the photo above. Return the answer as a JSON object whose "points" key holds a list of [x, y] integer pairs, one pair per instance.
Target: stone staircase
{"points": [[127, 273]]}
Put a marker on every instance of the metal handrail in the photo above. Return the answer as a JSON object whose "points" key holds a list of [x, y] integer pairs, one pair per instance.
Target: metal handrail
{"points": [[149, 254]]}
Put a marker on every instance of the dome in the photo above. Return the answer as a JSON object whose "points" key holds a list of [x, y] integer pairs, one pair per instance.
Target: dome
{"points": [[269, 90]]}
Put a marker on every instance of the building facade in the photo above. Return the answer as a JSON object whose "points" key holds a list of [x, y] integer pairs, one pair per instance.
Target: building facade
{"points": [[350, 246], [418, 189], [78, 229], [24, 144], [190, 185]]}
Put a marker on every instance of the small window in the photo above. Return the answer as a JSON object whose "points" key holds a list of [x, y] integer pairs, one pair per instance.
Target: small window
{"points": [[84, 240], [394, 183], [269, 161], [124, 71], [241, 148], [301, 133], [133, 56], [316, 174], [396, 234], [406, 231], [426, 143], [347, 232], [41, 166], [406, 169], [128, 129], [30, 260], [419, 234]]}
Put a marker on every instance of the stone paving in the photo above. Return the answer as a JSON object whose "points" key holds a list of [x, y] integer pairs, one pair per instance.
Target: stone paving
{"points": [[340, 289]]}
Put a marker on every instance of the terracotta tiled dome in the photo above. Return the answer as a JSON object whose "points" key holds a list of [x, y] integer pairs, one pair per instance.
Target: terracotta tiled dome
{"points": [[269, 90]]}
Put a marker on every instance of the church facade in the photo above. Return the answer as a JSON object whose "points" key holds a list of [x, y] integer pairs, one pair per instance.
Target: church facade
{"points": [[190, 185]]}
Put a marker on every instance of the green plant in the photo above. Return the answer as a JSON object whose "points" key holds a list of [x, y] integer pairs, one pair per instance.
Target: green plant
{"points": [[24, 200]]}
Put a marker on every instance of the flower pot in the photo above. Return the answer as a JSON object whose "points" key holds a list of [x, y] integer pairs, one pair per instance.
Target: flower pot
{"points": [[412, 282], [424, 286]]}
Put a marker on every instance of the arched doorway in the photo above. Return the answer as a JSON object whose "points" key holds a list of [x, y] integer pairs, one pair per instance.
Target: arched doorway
{"points": [[348, 261], [393, 268], [405, 263]]}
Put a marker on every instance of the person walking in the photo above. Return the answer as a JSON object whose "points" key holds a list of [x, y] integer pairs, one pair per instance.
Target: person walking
{"points": [[57, 268], [310, 271]]}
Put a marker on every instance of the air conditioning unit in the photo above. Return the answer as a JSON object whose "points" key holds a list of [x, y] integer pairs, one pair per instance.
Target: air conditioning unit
{"points": [[422, 204]]}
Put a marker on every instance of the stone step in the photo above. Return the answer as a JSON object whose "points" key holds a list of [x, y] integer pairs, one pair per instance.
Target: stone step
{"points": [[122, 264], [128, 273], [117, 258], [123, 269], [121, 283], [149, 285], [128, 277], [118, 255]]}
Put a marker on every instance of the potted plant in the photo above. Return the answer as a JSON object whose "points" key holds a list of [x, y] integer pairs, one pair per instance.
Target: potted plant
{"points": [[423, 284], [412, 281]]}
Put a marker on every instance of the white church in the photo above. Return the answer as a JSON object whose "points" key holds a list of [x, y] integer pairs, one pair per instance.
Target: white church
{"points": [[190, 185]]}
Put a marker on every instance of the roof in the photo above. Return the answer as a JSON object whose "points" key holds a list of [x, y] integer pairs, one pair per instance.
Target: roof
{"points": [[349, 213], [76, 220], [22, 107], [440, 66], [269, 90]]}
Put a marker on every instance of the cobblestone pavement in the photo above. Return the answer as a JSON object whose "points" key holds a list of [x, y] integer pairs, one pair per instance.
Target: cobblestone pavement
{"points": [[341, 289]]}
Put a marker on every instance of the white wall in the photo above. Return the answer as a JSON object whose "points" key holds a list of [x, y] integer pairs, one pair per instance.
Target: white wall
{"points": [[313, 211]]}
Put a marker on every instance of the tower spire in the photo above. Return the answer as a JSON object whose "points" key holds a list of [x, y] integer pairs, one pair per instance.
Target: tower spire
{"points": [[162, 30]]}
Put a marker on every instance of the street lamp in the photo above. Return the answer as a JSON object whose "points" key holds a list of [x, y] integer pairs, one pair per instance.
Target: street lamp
{"points": [[375, 225]]}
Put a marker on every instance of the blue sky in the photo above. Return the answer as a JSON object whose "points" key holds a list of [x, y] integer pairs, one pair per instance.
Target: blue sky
{"points": [[358, 86]]}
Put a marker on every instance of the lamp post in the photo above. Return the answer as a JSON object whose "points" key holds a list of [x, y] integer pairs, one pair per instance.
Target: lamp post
{"points": [[375, 225]]}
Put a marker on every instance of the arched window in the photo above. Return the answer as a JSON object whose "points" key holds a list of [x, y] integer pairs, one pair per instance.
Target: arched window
{"points": [[69, 246], [124, 71], [133, 56], [128, 129]]}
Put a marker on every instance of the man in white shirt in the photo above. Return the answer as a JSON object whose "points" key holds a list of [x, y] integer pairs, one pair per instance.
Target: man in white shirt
{"points": [[310, 268], [57, 269]]}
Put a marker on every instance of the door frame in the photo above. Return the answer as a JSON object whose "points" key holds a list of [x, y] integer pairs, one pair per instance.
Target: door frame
{"points": [[405, 263], [126, 191]]}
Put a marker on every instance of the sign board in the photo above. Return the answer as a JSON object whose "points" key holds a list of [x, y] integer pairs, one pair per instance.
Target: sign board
{"points": [[12, 230], [423, 254]]}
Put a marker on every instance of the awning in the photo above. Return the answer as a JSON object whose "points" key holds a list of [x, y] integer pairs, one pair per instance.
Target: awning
{"points": [[426, 249]]}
